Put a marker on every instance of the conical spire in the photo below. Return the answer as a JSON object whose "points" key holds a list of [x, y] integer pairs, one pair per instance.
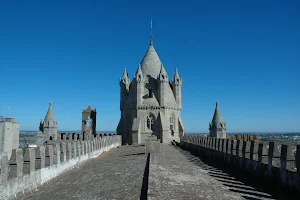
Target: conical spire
{"points": [[49, 115], [176, 78], [163, 76], [163, 70], [139, 71], [217, 115], [151, 35], [151, 63], [125, 78]]}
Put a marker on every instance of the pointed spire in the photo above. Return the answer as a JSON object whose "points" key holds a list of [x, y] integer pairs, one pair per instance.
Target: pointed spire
{"points": [[217, 115], [125, 79], [176, 75], [151, 35], [163, 70], [176, 78], [124, 74], [139, 70], [139, 74], [163, 74], [49, 115]]}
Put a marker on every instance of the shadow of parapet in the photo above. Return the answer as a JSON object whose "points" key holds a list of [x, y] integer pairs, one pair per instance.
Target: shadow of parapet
{"points": [[240, 182], [144, 190]]}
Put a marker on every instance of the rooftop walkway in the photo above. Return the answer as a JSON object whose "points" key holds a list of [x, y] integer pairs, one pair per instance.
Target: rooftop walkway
{"points": [[122, 173]]}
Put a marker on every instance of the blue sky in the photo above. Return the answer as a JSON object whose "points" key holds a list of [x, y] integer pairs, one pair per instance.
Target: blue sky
{"points": [[244, 54]]}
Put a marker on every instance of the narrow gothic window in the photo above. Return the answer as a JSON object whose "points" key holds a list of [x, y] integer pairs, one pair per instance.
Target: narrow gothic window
{"points": [[150, 93], [150, 122], [172, 124]]}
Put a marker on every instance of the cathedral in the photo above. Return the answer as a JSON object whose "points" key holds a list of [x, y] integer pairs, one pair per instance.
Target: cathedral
{"points": [[150, 104]]}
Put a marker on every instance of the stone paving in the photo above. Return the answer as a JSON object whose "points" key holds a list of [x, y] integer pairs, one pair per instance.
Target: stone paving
{"points": [[176, 174], [118, 174]]}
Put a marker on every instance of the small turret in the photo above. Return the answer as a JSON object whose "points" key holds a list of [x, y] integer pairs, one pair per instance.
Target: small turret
{"points": [[50, 125], [163, 83], [163, 76], [124, 87], [125, 79], [140, 85], [176, 84], [217, 127]]}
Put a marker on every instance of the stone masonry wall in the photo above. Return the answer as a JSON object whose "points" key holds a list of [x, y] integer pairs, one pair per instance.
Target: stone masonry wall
{"points": [[27, 170], [277, 165]]}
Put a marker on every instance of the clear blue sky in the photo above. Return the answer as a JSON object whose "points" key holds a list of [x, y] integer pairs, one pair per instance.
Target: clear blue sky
{"points": [[244, 54]]}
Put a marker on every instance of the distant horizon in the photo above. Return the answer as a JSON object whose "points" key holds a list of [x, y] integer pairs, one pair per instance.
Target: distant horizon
{"points": [[185, 132]]}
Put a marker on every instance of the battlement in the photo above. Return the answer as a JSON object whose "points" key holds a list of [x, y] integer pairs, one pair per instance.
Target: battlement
{"points": [[26, 170], [277, 164], [246, 137]]}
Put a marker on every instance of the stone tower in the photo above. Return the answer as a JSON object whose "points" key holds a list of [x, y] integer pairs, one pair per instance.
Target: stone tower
{"points": [[50, 125], [9, 135], [89, 122], [217, 127], [150, 104]]}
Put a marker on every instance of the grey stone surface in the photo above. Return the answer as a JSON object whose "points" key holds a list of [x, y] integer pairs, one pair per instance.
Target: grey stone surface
{"points": [[117, 174], [150, 104], [176, 174], [9, 135], [152, 145], [217, 127]]}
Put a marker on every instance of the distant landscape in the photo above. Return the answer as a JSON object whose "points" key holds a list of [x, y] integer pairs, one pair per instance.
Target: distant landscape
{"points": [[282, 137]]}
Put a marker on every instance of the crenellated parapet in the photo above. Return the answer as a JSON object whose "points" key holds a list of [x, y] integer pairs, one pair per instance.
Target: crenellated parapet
{"points": [[247, 137], [279, 164], [29, 168]]}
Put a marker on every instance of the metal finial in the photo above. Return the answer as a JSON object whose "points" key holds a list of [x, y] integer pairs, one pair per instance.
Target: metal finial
{"points": [[8, 111], [217, 104], [151, 35]]}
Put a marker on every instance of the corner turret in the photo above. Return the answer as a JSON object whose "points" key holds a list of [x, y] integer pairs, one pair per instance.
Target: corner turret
{"points": [[217, 127], [140, 86], [50, 125], [124, 88], [163, 83], [176, 85]]}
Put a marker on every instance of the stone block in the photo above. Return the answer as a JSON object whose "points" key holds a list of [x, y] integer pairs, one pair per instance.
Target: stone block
{"points": [[4, 167], [80, 137], [233, 147], [63, 152], [49, 156], [56, 154], [238, 149], [16, 164], [29, 161], [273, 155], [64, 137], [69, 150], [75, 136], [260, 153], [74, 148], [283, 159], [40, 157]]}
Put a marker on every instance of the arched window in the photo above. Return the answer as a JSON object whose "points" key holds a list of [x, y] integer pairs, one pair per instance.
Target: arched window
{"points": [[150, 122], [150, 93], [88, 122], [172, 124]]}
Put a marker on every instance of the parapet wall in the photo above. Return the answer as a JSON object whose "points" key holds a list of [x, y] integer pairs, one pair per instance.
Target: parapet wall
{"points": [[246, 137], [277, 164], [26, 171]]}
